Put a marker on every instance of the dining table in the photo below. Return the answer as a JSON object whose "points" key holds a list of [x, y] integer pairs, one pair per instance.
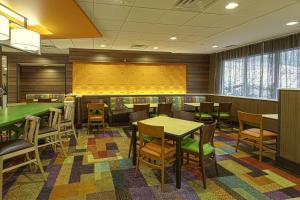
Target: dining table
{"points": [[175, 129], [15, 114], [197, 105]]}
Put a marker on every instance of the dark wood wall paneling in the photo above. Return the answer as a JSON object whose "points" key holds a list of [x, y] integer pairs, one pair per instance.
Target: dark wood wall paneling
{"points": [[16, 61], [41, 80], [197, 64], [0, 73]]}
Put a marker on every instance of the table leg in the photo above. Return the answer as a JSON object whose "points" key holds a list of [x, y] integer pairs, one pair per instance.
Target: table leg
{"points": [[133, 145], [178, 163]]}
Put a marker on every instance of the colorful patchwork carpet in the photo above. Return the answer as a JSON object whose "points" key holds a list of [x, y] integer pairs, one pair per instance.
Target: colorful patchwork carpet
{"points": [[97, 168]]}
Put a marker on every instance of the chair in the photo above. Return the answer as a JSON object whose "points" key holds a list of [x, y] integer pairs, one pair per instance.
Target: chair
{"points": [[184, 115], [223, 113], [203, 148], [257, 135], [19, 147], [95, 114], [44, 100], [135, 117], [157, 150], [67, 123], [51, 134], [205, 112], [163, 109], [141, 107]]}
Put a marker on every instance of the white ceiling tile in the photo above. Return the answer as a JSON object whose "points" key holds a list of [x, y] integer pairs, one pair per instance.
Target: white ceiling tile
{"points": [[129, 35], [87, 7], [110, 12], [145, 15], [176, 17], [86, 43], [160, 4], [63, 43], [108, 25], [116, 2], [201, 31]]}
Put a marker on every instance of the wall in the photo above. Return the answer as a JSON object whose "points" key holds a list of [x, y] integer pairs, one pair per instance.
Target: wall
{"points": [[41, 80], [125, 78], [197, 64]]}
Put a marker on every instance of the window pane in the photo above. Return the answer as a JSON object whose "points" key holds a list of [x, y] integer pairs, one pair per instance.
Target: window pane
{"points": [[289, 69]]}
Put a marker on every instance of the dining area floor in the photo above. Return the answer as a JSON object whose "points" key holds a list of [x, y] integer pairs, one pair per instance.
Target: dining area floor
{"points": [[98, 167]]}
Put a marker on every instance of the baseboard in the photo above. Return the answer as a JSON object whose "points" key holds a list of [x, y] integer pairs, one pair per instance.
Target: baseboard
{"points": [[288, 165]]}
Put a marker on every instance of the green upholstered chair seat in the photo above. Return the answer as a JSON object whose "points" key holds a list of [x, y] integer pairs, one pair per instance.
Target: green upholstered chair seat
{"points": [[203, 116], [156, 115], [96, 112], [223, 115], [147, 138], [192, 145]]}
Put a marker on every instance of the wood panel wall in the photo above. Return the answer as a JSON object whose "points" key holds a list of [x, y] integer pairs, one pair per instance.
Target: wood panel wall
{"points": [[197, 64], [41, 80], [289, 125]]}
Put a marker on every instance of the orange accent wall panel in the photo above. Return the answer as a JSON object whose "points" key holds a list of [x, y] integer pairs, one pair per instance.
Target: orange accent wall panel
{"points": [[101, 78]]}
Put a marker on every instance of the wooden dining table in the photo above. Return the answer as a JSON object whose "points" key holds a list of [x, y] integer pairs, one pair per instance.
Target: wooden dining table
{"points": [[175, 129], [15, 114]]}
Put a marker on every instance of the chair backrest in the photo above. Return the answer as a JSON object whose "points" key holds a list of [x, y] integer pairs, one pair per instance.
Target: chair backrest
{"points": [[138, 116], [153, 131], [95, 108], [250, 118], [54, 117], [69, 111], [164, 108], [184, 115], [31, 129], [207, 133], [141, 107], [225, 107], [44, 100], [206, 107]]}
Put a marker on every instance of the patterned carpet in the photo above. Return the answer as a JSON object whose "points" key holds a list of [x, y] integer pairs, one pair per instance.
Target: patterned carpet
{"points": [[98, 168]]}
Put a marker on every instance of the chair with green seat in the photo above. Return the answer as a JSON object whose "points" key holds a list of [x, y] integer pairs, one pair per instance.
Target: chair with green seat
{"points": [[203, 148], [163, 109], [223, 113], [205, 112], [135, 117]]}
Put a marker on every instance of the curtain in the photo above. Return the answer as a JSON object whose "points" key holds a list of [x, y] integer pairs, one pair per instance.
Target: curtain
{"points": [[258, 70]]}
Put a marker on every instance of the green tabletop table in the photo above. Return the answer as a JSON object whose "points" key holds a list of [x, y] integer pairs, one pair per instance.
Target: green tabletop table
{"points": [[175, 129], [12, 115]]}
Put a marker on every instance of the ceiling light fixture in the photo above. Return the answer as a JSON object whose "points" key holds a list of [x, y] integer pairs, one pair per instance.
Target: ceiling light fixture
{"points": [[11, 13], [25, 39], [231, 5], [292, 23], [173, 38], [4, 28], [215, 46], [155, 48], [102, 45]]}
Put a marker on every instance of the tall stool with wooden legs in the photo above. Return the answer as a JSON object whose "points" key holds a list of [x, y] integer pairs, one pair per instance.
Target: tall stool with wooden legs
{"points": [[254, 136], [51, 134], [95, 114], [67, 123], [157, 150], [14, 148]]}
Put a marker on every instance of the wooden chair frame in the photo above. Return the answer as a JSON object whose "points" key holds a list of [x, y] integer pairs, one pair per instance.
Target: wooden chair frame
{"points": [[96, 106], [31, 135], [67, 126]]}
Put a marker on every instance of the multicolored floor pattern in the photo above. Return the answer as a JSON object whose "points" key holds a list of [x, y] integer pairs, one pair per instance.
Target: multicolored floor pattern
{"points": [[98, 168]]}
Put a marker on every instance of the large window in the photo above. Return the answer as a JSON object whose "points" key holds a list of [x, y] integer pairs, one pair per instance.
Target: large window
{"points": [[260, 75]]}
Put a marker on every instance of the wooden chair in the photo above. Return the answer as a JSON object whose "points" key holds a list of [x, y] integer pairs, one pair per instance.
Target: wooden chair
{"points": [[67, 123], [19, 147], [223, 113], [205, 112], [51, 134], [203, 148], [135, 117], [157, 150], [184, 115], [163, 109], [141, 107], [96, 114], [254, 136]]}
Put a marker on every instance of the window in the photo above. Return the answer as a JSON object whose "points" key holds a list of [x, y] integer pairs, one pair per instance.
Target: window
{"points": [[260, 75]]}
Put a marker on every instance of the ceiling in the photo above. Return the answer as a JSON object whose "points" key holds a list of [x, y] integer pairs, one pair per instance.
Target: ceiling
{"points": [[124, 23]]}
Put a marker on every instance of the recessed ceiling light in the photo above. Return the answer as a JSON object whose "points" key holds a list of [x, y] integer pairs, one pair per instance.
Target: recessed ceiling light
{"points": [[155, 48], [292, 23], [102, 45], [215, 46], [173, 38], [231, 5]]}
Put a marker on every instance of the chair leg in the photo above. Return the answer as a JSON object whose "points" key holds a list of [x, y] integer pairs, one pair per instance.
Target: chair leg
{"points": [[203, 172], [39, 163], [1, 177], [237, 143], [187, 158], [74, 133], [130, 147], [27, 157], [137, 166], [260, 150], [88, 131], [61, 145], [216, 164], [163, 176]]}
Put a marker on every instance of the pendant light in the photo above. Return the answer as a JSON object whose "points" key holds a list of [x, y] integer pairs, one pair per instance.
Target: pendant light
{"points": [[4, 28], [25, 39]]}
